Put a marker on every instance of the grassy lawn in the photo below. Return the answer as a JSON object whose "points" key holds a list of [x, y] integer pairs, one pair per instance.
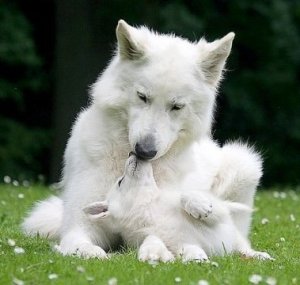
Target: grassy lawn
{"points": [[279, 235]]}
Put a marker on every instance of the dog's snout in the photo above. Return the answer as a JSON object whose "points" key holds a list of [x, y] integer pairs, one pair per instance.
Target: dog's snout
{"points": [[146, 149], [144, 153]]}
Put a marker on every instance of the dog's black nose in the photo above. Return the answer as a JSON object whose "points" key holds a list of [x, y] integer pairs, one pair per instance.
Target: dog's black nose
{"points": [[145, 149], [144, 153]]}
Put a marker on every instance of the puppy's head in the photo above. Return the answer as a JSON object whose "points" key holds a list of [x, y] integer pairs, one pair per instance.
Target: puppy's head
{"points": [[138, 174], [129, 190]]}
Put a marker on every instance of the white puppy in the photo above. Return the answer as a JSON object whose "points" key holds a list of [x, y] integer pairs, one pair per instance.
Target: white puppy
{"points": [[165, 224]]}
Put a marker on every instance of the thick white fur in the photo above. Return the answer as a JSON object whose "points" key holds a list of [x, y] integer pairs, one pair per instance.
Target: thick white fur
{"points": [[168, 70], [165, 224], [45, 225]]}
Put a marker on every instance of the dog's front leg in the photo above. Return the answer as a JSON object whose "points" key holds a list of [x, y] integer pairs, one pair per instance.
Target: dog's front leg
{"points": [[154, 249], [191, 252], [76, 241]]}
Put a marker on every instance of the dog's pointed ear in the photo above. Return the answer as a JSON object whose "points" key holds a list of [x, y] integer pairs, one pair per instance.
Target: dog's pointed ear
{"points": [[97, 210], [214, 57], [128, 44]]}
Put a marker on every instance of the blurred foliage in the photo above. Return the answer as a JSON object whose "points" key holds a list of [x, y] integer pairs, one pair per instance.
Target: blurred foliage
{"points": [[262, 96], [21, 76], [258, 102]]}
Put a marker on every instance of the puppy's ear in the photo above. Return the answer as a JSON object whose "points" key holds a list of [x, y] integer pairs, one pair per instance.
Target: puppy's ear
{"points": [[97, 210], [129, 46], [213, 57]]}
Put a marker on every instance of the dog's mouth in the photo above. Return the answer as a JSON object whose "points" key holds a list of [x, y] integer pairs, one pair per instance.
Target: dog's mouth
{"points": [[132, 163], [137, 168]]}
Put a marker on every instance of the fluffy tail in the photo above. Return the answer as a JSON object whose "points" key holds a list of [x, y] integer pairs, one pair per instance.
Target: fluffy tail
{"points": [[45, 218]]}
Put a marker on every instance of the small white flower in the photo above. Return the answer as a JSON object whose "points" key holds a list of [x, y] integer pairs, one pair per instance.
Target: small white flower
{"points": [[80, 269], [56, 247], [50, 261], [203, 282], [112, 281], [154, 263], [215, 264], [294, 196], [90, 278], [292, 217], [17, 281], [6, 179], [41, 177], [25, 183], [271, 281], [52, 276], [255, 279], [276, 194], [15, 183], [177, 279], [11, 242], [282, 239], [21, 196], [19, 250], [283, 195], [265, 221]]}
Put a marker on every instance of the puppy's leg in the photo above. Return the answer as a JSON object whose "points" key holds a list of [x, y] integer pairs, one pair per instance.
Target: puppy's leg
{"points": [[154, 249], [190, 252], [237, 180], [243, 246], [196, 204]]}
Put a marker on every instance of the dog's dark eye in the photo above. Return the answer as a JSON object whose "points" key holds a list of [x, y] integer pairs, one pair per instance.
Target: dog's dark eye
{"points": [[143, 97], [120, 181], [177, 107]]}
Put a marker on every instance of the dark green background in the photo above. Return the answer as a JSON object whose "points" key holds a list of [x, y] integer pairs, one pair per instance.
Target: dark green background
{"points": [[51, 51]]}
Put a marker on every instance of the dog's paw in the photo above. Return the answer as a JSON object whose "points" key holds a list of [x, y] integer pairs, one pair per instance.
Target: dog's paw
{"points": [[260, 255], [193, 253], [155, 252], [196, 205], [83, 250]]}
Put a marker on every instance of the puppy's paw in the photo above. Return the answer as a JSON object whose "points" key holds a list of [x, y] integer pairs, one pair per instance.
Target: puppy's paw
{"points": [[193, 253], [196, 205], [260, 255], [155, 252], [84, 250]]}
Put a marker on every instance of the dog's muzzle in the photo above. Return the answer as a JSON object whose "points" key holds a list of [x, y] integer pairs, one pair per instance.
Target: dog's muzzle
{"points": [[145, 149], [131, 163]]}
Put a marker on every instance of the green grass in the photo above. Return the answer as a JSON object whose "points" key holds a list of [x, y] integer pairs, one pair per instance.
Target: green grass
{"points": [[38, 261]]}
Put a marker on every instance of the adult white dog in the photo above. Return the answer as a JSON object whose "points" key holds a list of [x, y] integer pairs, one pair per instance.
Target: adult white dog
{"points": [[156, 98]]}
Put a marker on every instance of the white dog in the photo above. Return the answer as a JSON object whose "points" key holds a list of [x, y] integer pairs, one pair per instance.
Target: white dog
{"points": [[167, 223], [156, 98]]}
